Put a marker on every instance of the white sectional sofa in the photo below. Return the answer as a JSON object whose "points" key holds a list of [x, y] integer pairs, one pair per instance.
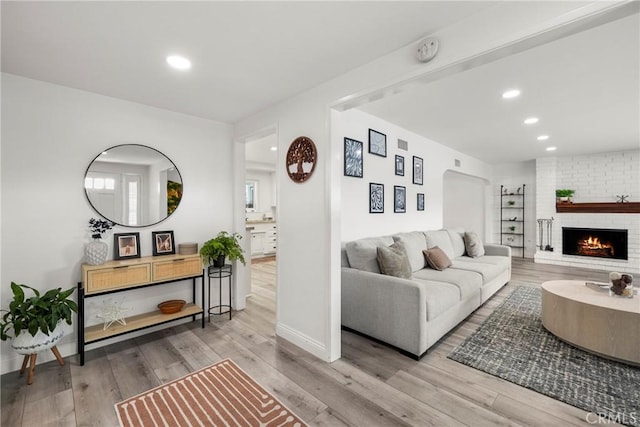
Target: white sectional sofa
{"points": [[413, 313]]}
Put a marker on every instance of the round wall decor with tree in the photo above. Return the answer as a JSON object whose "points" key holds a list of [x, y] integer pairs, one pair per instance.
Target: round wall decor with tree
{"points": [[301, 159]]}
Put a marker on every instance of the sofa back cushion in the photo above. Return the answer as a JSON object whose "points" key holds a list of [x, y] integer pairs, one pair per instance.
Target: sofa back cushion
{"points": [[344, 260], [362, 254], [474, 245], [457, 241], [414, 243], [393, 260], [440, 239]]}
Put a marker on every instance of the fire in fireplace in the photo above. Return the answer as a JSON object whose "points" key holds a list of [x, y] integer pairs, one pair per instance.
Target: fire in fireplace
{"points": [[595, 242]]}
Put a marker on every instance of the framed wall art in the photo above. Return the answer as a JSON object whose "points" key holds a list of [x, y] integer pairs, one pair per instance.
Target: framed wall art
{"points": [[301, 159], [420, 201], [376, 198], [399, 165], [352, 158], [418, 171], [377, 143], [163, 243], [399, 199], [126, 245]]}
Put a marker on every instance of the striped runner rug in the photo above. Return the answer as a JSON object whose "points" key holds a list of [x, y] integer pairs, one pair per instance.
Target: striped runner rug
{"points": [[219, 395]]}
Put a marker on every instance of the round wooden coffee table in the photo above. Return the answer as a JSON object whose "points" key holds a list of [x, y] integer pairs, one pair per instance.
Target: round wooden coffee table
{"points": [[592, 320]]}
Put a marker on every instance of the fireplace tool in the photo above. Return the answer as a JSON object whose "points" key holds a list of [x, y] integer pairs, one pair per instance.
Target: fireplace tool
{"points": [[545, 225]]}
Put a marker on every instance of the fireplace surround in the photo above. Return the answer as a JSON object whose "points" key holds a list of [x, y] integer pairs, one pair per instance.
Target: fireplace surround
{"points": [[595, 242]]}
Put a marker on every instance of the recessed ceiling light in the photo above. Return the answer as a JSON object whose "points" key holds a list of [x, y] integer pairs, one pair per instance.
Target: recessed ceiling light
{"points": [[274, 148], [179, 62], [511, 93], [552, 148], [530, 120], [543, 137]]}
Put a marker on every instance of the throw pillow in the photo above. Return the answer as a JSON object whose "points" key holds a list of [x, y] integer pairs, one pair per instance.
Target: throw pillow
{"points": [[393, 261], [436, 258], [473, 245]]}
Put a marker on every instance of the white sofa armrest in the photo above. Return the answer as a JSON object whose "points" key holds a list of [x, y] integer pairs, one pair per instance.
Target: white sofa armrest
{"points": [[499, 250]]}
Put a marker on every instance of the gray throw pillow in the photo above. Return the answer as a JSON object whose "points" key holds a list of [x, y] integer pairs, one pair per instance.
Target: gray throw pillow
{"points": [[473, 245], [436, 258], [393, 261]]}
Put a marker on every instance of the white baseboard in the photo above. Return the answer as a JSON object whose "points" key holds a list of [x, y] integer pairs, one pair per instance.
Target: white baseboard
{"points": [[303, 341]]}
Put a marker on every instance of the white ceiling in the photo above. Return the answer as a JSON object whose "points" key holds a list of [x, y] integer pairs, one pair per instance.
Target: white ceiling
{"points": [[249, 55]]}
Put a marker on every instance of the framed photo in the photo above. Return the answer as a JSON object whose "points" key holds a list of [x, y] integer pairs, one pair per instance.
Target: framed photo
{"points": [[399, 199], [163, 243], [377, 143], [420, 201], [126, 245], [376, 198], [418, 172], [399, 165], [352, 158]]}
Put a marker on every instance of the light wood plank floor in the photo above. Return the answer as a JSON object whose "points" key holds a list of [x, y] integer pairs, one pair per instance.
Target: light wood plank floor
{"points": [[371, 385]]}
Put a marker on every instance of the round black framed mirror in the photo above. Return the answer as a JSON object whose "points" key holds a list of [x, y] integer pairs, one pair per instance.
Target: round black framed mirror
{"points": [[133, 185]]}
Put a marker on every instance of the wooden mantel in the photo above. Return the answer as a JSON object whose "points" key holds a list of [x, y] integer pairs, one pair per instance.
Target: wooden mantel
{"points": [[629, 207]]}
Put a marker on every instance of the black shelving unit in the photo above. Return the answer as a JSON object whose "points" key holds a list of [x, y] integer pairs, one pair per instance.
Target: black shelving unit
{"points": [[512, 218]]}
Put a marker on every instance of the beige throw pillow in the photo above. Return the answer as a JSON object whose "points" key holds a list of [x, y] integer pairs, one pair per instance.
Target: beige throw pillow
{"points": [[473, 245], [436, 258], [393, 261]]}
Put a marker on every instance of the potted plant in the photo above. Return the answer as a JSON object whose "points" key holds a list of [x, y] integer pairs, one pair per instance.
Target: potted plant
{"points": [[512, 228], [36, 321], [96, 251], [564, 195], [224, 245], [511, 202]]}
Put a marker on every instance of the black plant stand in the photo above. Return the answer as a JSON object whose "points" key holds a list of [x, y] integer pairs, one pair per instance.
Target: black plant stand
{"points": [[224, 272]]}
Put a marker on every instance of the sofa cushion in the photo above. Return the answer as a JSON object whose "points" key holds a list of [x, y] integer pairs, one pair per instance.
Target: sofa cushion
{"points": [[468, 283], [457, 241], [393, 260], [440, 239], [473, 244], [440, 297], [362, 254], [501, 261], [436, 258], [414, 243], [488, 271]]}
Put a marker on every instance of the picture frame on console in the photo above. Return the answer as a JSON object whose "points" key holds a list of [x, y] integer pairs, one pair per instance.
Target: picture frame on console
{"points": [[126, 245], [163, 243]]}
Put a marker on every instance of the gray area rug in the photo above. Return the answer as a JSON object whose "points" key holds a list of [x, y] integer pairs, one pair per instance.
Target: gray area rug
{"points": [[513, 345]]}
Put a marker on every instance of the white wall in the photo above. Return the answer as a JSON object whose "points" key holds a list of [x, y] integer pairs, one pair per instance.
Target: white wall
{"points": [[513, 176], [49, 135], [465, 203], [357, 222]]}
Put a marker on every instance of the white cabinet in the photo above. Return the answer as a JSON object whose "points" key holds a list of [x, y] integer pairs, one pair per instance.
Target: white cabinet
{"points": [[263, 238]]}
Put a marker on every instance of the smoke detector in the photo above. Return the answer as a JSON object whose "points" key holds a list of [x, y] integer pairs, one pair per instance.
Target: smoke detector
{"points": [[427, 49]]}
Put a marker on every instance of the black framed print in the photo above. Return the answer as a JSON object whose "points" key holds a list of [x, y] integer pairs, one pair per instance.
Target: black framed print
{"points": [[376, 198], [352, 158], [418, 171], [377, 143], [163, 243], [399, 165], [420, 201], [126, 245], [399, 199]]}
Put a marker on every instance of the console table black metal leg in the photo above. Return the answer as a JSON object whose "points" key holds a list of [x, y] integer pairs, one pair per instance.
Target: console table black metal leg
{"points": [[81, 323]]}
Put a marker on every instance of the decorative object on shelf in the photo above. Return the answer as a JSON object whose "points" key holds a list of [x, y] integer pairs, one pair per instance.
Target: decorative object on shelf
{"points": [[188, 248], [162, 242], [518, 190], [515, 218], [399, 199], [301, 159], [420, 201], [399, 165], [512, 228], [504, 191], [511, 202], [126, 245], [224, 245], [545, 225], [97, 251], [621, 284], [171, 306], [112, 312], [376, 198], [622, 198], [564, 195], [418, 172], [377, 143], [353, 158]]}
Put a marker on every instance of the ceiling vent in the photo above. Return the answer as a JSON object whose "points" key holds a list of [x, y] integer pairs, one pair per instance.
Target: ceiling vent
{"points": [[457, 162]]}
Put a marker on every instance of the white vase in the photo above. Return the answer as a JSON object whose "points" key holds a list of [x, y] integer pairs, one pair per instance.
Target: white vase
{"points": [[25, 343], [96, 252]]}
